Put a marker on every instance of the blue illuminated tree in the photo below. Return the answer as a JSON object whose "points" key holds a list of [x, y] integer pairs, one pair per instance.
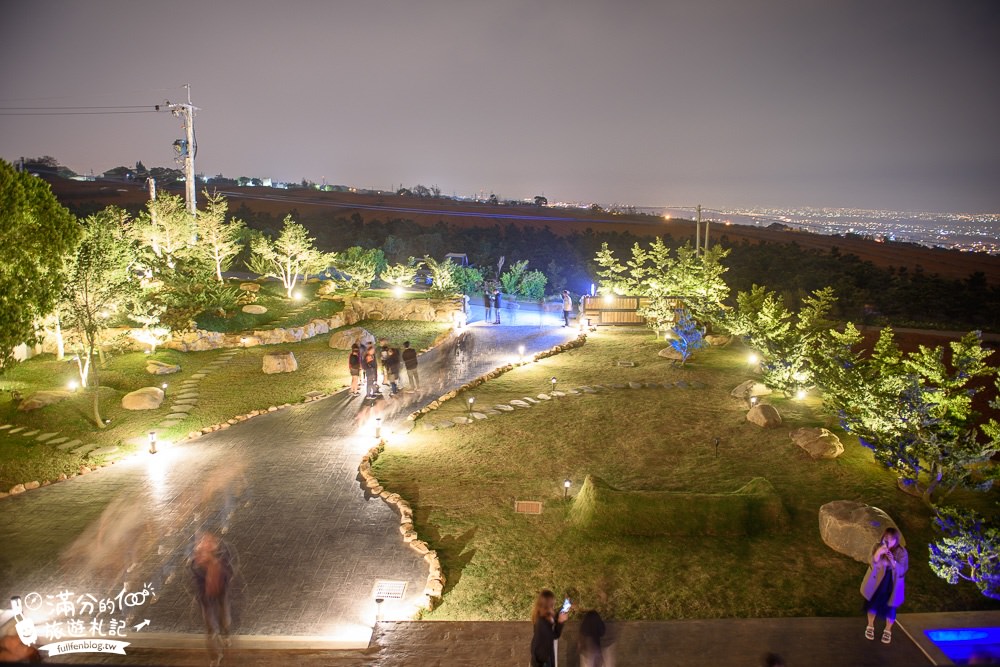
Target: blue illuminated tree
{"points": [[689, 335], [969, 550]]}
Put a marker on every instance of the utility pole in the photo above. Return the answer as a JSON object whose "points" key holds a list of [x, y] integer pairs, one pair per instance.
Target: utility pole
{"points": [[697, 230], [187, 148], [708, 221]]}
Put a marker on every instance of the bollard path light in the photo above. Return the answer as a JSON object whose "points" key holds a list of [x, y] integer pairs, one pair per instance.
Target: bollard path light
{"points": [[164, 387], [378, 427], [152, 442], [753, 359], [472, 401], [72, 385], [566, 484], [553, 381], [520, 351]]}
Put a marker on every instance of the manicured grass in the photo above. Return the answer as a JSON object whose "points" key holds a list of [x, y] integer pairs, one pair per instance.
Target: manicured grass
{"points": [[236, 388], [463, 481], [273, 297]]}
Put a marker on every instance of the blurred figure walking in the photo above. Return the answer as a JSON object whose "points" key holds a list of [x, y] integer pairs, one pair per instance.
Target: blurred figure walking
{"points": [[212, 568], [487, 303], [591, 632], [410, 364], [391, 362], [369, 364]]}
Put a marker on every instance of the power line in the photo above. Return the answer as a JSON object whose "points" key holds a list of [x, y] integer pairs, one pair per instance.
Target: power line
{"points": [[71, 113], [121, 106]]}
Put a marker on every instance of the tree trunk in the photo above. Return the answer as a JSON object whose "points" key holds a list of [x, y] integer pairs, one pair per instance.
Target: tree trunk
{"points": [[60, 344], [96, 388]]}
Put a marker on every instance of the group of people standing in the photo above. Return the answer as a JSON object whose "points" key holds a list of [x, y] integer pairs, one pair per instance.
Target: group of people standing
{"points": [[491, 302], [371, 359]]}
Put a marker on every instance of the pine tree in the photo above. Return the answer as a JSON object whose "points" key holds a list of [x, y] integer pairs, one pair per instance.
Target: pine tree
{"points": [[290, 257]]}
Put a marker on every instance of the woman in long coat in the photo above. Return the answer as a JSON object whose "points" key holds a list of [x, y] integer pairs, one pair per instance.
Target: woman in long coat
{"points": [[884, 584]]}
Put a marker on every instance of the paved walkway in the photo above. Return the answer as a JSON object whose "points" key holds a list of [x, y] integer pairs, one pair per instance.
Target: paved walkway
{"points": [[812, 642], [308, 543]]}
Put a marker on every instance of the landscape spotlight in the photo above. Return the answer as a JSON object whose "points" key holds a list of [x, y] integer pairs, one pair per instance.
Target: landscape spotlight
{"points": [[800, 394], [152, 442], [243, 341], [297, 296], [472, 401], [397, 291], [566, 484], [609, 299], [164, 388], [72, 385], [753, 359], [754, 400], [378, 427]]}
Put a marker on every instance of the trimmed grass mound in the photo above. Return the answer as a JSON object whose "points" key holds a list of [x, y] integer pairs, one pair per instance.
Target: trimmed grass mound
{"points": [[753, 508]]}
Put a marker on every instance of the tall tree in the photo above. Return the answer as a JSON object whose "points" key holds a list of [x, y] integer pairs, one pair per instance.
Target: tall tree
{"points": [[665, 277], [290, 257], [359, 267], [167, 229], [100, 277], [36, 235], [914, 411], [219, 240], [442, 277]]}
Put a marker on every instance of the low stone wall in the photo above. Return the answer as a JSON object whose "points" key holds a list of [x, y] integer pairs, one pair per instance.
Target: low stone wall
{"points": [[435, 577]]}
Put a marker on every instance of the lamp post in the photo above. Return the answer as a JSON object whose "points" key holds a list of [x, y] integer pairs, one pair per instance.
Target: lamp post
{"points": [[472, 401], [152, 442], [553, 381], [164, 388], [378, 427], [566, 484]]}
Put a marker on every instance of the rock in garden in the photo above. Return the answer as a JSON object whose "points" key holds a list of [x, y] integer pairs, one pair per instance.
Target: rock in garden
{"points": [[147, 398], [716, 340], [250, 287], [42, 398], [670, 353], [279, 362], [853, 528], [155, 367], [818, 442], [254, 309], [342, 340], [750, 388], [765, 416]]}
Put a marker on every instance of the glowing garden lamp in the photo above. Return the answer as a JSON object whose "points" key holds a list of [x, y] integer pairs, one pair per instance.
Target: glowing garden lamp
{"points": [[754, 400], [472, 401], [800, 394], [520, 352], [566, 484], [152, 442], [164, 388], [72, 385], [378, 427], [753, 359], [243, 341], [397, 291], [553, 381], [609, 299], [297, 296]]}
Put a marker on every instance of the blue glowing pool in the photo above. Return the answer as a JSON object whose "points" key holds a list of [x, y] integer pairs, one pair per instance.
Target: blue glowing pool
{"points": [[959, 643]]}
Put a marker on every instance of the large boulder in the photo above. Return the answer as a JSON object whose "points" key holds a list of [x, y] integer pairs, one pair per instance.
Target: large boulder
{"points": [[155, 367], [765, 416], [280, 362], [342, 340], [750, 388], [670, 353], [40, 399], [853, 528], [254, 309], [818, 442], [147, 398]]}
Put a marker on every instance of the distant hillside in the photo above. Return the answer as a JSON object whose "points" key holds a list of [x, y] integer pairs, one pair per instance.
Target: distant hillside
{"points": [[953, 264]]}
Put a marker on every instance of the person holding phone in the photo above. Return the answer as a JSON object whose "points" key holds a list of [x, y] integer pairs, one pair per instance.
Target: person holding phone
{"points": [[548, 626], [883, 586]]}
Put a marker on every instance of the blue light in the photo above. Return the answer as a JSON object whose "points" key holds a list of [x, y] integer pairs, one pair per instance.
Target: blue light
{"points": [[956, 635]]}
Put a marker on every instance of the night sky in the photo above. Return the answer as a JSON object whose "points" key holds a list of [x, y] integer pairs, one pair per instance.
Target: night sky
{"points": [[875, 103]]}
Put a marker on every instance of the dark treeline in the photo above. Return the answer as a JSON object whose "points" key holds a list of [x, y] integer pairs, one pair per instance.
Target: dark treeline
{"points": [[867, 294]]}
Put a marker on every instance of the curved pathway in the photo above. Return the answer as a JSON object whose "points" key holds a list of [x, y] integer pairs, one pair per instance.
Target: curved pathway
{"points": [[308, 542]]}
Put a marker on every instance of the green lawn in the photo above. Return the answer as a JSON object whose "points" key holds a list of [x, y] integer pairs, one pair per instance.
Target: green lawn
{"points": [[273, 297], [237, 388], [463, 481]]}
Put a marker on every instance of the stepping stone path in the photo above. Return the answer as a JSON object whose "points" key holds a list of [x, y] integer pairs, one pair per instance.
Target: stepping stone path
{"points": [[5, 427], [68, 444], [16, 430], [28, 434], [560, 394], [545, 397], [56, 441], [46, 436], [461, 420], [503, 408], [186, 398], [529, 399], [104, 451], [84, 449], [520, 404], [479, 415]]}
